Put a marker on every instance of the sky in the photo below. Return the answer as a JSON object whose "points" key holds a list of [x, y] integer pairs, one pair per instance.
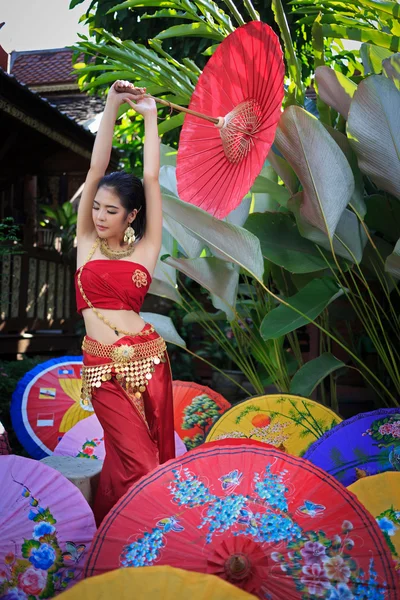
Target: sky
{"points": [[39, 24]]}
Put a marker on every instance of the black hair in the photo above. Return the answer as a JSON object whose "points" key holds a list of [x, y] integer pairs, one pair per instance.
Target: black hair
{"points": [[130, 192]]}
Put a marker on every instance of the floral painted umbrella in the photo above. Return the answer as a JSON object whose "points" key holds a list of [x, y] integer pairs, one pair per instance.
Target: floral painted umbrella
{"points": [[4, 444], [86, 440], [380, 494], [46, 404], [155, 582], [196, 408], [266, 521], [46, 530], [291, 423], [366, 444]]}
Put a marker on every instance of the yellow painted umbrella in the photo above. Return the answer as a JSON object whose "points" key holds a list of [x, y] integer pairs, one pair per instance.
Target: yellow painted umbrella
{"points": [[291, 423], [147, 583], [380, 494]]}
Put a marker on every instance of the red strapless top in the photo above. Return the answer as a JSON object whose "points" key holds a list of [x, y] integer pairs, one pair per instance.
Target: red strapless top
{"points": [[114, 284]]}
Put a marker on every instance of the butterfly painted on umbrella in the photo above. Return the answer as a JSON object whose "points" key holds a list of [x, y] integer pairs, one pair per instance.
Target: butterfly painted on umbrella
{"points": [[169, 524], [34, 502], [311, 509], [231, 480], [73, 553]]}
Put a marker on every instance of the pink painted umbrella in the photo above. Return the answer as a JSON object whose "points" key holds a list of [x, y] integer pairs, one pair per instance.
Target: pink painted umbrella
{"points": [[4, 444], [86, 440], [46, 528]]}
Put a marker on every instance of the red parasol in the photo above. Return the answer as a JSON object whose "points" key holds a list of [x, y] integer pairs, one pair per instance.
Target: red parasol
{"points": [[242, 83], [196, 409], [273, 524]]}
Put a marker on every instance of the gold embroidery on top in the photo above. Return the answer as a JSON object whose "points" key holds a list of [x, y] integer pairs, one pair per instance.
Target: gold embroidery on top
{"points": [[139, 278]]}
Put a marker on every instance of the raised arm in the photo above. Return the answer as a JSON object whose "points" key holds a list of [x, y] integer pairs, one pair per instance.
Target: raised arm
{"points": [[100, 157], [151, 168]]}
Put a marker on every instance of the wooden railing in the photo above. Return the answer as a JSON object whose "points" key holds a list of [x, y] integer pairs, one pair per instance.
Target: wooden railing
{"points": [[37, 296]]}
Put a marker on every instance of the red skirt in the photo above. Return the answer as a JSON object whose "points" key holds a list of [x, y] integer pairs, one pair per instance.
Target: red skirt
{"points": [[138, 426]]}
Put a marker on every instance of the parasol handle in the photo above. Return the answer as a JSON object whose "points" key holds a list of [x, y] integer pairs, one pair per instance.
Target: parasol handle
{"points": [[218, 121]]}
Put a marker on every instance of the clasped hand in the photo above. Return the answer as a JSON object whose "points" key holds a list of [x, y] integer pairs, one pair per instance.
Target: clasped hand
{"points": [[124, 91]]}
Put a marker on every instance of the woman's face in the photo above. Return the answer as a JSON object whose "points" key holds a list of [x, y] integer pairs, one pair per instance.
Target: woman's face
{"points": [[109, 216]]}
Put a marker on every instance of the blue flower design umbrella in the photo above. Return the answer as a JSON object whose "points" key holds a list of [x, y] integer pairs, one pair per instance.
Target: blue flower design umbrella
{"points": [[272, 524], [366, 444], [46, 529]]}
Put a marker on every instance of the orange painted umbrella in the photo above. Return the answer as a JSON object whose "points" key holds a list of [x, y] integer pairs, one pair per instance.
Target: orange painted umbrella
{"points": [[196, 408]]}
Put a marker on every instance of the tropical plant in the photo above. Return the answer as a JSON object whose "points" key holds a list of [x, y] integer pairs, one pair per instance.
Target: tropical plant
{"points": [[62, 220], [323, 227], [9, 237]]}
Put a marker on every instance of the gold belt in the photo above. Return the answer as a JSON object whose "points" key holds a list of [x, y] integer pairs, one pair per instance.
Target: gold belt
{"points": [[132, 366]]}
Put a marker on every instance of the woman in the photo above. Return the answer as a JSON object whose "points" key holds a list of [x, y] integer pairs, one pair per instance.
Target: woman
{"points": [[126, 373]]}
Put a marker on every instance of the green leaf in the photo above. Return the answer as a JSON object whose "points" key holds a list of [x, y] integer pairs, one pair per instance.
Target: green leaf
{"points": [[284, 170], [27, 547], [392, 264], [265, 185], [226, 241], [372, 36], [321, 166], [310, 301], [171, 123], [372, 58], [168, 155], [282, 244], [74, 3], [210, 50], [357, 199], [163, 289], [349, 239], [335, 89], [391, 68], [165, 327], [201, 316], [296, 89], [140, 4], [373, 129], [108, 78], [192, 30], [383, 215], [215, 275], [313, 372]]}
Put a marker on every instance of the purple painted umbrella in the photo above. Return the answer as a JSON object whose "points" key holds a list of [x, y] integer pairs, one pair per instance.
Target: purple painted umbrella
{"points": [[86, 440], [366, 444], [46, 530]]}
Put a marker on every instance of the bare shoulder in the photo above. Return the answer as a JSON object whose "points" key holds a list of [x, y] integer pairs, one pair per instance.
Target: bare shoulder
{"points": [[146, 254], [84, 246]]}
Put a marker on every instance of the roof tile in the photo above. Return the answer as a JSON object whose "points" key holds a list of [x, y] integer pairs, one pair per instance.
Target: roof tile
{"points": [[44, 67]]}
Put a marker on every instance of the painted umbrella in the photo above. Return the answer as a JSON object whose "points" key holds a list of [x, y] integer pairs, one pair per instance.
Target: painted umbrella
{"points": [[366, 444], [271, 523], [290, 423], [46, 530], [46, 404], [196, 408], [86, 440], [149, 583], [380, 494], [4, 444]]}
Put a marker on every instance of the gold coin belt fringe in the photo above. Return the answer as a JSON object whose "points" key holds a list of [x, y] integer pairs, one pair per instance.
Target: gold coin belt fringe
{"points": [[133, 366]]}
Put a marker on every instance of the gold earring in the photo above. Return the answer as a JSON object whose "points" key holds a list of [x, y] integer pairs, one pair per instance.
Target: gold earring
{"points": [[129, 235]]}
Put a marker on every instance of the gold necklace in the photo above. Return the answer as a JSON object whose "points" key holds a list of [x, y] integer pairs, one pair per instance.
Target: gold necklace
{"points": [[114, 254]]}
